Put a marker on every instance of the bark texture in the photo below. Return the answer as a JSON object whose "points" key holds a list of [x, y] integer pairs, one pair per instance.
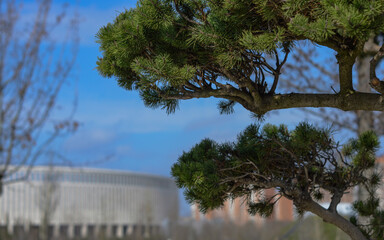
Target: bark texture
{"points": [[334, 218]]}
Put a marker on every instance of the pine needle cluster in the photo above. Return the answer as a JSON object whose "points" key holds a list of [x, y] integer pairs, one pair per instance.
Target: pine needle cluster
{"points": [[301, 165], [180, 49]]}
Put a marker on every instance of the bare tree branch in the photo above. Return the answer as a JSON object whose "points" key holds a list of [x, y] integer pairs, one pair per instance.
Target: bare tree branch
{"points": [[33, 69]]}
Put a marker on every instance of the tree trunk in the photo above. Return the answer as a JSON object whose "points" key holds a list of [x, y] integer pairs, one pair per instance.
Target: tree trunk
{"points": [[335, 219], [364, 118]]}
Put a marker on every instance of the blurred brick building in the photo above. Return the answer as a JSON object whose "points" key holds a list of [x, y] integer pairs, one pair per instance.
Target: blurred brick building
{"points": [[236, 210]]}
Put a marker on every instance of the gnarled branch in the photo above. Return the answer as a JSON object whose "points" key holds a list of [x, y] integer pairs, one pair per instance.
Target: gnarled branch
{"points": [[374, 81]]}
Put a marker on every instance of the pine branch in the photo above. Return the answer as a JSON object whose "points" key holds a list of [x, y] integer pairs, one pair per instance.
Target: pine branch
{"points": [[374, 81]]}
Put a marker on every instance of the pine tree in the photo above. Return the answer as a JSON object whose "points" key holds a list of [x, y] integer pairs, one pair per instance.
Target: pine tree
{"points": [[172, 50], [306, 64], [34, 67], [300, 164]]}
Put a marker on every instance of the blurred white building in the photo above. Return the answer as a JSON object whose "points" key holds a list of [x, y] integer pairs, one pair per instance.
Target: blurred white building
{"points": [[79, 202]]}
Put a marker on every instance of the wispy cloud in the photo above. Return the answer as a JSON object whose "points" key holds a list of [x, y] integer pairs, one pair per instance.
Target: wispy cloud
{"points": [[132, 117], [92, 18], [89, 140]]}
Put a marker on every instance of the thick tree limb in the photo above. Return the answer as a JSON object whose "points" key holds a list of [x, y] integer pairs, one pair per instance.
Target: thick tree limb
{"points": [[334, 218], [346, 62], [374, 81], [346, 102], [336, 198]]}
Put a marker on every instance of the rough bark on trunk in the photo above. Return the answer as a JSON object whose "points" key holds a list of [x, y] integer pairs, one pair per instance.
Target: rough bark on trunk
{"points": [[364, 119], [334, 218]]}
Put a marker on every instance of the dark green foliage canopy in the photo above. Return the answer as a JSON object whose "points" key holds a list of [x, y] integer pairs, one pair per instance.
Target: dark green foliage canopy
{"points": [[301, 165], [181, 49]]}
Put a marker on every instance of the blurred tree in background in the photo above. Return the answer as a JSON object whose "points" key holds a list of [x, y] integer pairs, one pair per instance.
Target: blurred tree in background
{"points": [[37, 53]]}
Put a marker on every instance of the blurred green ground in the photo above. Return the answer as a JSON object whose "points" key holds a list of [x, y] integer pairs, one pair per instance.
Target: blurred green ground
{"points": [[310, 228]]}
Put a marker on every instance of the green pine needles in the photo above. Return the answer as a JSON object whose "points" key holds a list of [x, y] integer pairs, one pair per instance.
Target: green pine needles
{"points": [[171, 50], [300, 164]]}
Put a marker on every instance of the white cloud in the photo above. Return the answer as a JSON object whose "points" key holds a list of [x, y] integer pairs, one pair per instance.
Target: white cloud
{"points": [[123, 150], [132, 117], [89, 139], [92, 18]]}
